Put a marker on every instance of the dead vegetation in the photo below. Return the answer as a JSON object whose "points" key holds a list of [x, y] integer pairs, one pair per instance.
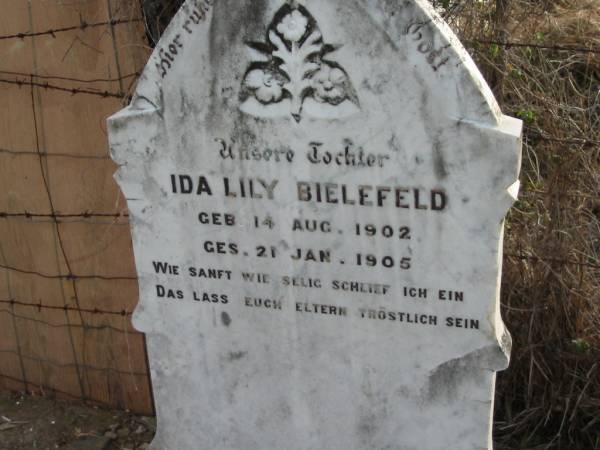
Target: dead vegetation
{"points": [[157, 15], [550, 396]]}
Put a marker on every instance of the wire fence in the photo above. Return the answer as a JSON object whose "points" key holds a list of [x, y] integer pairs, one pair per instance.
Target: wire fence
{"points": [[77, 310], [82, 26]]}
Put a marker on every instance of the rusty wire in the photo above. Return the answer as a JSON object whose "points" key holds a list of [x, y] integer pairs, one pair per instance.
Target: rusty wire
{"points": [[40, 306], [72, 305], [73, 91], [555, 47], [45, 323], [83, 25]]}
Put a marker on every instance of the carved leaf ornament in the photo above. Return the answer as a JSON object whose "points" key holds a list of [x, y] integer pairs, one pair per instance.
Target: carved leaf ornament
{"points": [[290, 75]]}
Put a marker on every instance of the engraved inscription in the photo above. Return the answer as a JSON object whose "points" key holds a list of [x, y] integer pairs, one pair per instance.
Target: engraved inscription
{"points": [[169, 52]]}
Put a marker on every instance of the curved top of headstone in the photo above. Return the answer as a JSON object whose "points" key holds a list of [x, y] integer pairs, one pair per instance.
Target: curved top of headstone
{"points": [[313, 60]]}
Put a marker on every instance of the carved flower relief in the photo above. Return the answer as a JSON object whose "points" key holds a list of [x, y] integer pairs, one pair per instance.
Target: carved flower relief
{"points": [[267, 85], [328, 85], [290, 74], [293, 26]]}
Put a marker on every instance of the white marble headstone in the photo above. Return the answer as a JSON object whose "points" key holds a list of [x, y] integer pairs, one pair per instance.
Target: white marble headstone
{"points": [[317, 192]]}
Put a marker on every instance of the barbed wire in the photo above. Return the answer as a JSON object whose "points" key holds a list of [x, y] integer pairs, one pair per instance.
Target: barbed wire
{"points": [[76, 80], [52, 154], [113, 219], [103, 327], [70, 276], [570, 141], [546, 259], [516, 44], [560, 194], [83, 25], [73, 91], [84, 215], [536, 133], [126, 215], [40, 306]]}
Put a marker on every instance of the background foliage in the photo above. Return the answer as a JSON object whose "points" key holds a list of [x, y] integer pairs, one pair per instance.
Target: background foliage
{"points": [[550, 396]]}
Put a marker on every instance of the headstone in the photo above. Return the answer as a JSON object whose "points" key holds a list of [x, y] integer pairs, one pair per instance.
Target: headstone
{"points": [[317, 192]]}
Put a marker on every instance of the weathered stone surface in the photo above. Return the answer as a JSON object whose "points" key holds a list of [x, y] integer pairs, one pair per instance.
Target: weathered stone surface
{"points": [[317, 192]]}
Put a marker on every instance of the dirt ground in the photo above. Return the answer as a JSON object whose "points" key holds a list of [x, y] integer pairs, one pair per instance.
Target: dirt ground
{"points": [[35, 423]]}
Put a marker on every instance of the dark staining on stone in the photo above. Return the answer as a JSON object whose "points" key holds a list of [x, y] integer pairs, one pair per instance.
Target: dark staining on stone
{"points": [[158, 372], [117, 124], [242, 133], [387, 39], [367, 428], [225, 318], [142, 102], [394, 144], [236, 356], [424, 97], [285, 411], [481, 148], [377, 88], [379, 84], [439, 163], [186, 106], [231, 23], [445, 380]]}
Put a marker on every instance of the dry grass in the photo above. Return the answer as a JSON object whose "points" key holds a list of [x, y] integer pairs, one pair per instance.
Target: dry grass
{"points": [[158, 14], [550, 396]]}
